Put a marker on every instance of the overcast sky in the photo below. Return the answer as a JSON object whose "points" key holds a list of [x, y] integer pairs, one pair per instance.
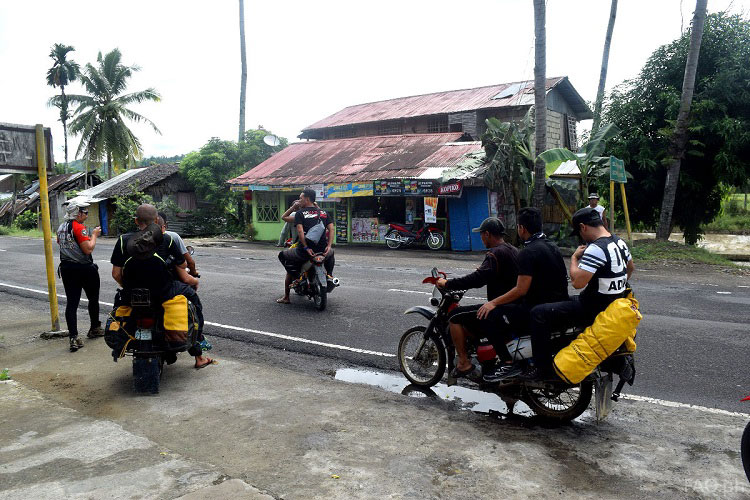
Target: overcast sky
{"points": [[309, 59]]}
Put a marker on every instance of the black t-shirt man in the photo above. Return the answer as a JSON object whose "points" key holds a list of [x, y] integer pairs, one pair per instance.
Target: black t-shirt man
{"points": [[152, 272], [499, 272], [541, 259], [309, 217]]}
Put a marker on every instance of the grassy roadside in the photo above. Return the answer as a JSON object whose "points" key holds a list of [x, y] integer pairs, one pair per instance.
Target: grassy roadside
{"points": [[14, 231], [669, 251]]}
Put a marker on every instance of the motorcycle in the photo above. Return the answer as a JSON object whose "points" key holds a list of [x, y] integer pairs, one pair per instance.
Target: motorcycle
{"points": [[745, 447], [314, 282], [398, 236], [425, 353], [136, 328]]}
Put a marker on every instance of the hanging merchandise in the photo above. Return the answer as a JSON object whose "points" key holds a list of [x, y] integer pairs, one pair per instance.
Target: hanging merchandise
{"points": [[430, 209], [410, 211]]}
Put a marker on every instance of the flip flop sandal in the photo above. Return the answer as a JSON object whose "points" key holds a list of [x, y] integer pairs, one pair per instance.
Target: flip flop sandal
{"points": [[210, 362], [456, 373]]}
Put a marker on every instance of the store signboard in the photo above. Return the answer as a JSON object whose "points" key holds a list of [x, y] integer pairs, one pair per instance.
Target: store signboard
{"points": [[430, 209], [394, 187], [320, 190], [18, 149], [420, 187], [452, 189], [348, 189]]}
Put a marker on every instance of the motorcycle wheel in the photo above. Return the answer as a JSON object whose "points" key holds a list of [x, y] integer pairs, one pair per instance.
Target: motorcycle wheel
{"points": [[745, 450], [562, 404], [321, 297], [422, 360], [435, 241], [393, 245]]}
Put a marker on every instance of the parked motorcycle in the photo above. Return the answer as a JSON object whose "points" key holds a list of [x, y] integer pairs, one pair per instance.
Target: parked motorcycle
{"points": [[745, 447], [425, 353], [136, 328], [399, 236], [314, 282]]}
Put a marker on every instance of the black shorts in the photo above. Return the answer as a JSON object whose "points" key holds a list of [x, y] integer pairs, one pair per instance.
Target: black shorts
{"points": [[292, 259]]}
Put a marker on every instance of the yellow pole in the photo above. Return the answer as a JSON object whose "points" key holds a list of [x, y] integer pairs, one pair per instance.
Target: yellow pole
{"points": [[611, 205], [627, 216], [41, 162]]}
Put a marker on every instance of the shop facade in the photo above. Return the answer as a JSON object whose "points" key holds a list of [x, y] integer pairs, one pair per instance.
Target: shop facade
{"points": [[363, 210]]}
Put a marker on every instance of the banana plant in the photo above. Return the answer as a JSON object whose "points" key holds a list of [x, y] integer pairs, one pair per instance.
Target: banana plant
{"points": [[589, 159]]}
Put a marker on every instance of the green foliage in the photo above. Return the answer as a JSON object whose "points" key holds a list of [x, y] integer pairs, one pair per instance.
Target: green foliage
{"points": [[730, 223], [26, 220], [592, 165], [4, 374], [122, 217], [160, 160], [670, 251], [14, 231], [101, 115], [209, 169], [719, 131], [507, 147]]}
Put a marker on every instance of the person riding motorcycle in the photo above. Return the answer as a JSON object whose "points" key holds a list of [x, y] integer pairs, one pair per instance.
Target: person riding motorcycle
{"points": [[147, 259], [306, 217], [541, 278], [602, 267], [498, 272]]}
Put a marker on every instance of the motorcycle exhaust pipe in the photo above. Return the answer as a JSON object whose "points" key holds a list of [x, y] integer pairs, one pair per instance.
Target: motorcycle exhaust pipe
{"points": [[335, 282], [397, 239]]}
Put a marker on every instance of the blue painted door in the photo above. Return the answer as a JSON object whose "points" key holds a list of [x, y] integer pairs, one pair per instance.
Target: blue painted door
{"points": [[103, 216], [458, 215], [477, 200]]}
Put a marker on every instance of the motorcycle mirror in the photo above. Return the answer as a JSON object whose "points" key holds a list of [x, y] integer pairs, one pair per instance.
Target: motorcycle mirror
{"points": [[434, 272], [190, 249]]}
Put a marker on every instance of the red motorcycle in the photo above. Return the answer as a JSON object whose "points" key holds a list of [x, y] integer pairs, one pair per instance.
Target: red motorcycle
{"points": [[745, 447], [399, 235]]}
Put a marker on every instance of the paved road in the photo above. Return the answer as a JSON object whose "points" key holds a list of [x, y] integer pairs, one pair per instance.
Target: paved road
{"points": [[693, 345]]}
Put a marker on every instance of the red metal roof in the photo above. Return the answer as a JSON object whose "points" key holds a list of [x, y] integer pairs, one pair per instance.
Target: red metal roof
{"points": [[445, 102], [359, 159]]}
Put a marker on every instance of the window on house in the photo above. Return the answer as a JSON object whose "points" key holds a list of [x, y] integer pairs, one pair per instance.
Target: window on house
{"points": [[343, 132], [267, 207], [390, 128], [457, 127], [437, 125]]}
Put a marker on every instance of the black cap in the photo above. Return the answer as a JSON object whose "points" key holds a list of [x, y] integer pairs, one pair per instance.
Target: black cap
{"points": [[588, 216], [144, 243], [491, 224], [594, 196]]}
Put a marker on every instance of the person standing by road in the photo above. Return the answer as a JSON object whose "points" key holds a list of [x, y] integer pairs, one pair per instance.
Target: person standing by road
{"points": [[78, 271], [594, 203]]}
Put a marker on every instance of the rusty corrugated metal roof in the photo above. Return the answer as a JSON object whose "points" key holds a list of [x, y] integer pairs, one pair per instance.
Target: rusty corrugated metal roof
{"points": [[452, 101], [360, 159]]}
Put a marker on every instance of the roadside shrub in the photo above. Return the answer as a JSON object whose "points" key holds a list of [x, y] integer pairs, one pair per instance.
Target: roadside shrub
{"points": [[26, 220], [122, 217]]}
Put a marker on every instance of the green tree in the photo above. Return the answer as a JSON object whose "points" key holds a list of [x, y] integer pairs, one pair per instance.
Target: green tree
{"points": [[718, 141], [209, 169], [101, 116], [62, 72]]}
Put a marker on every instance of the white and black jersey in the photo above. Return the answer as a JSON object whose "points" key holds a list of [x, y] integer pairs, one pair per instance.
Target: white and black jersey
{"points": [[607, 258]]}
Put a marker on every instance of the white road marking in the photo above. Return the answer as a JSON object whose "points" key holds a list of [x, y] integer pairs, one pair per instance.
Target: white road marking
{"points": [[241, 329], [725, 293], [743, 286], [674, 404], [429, 293], [645, 399], [2, 250]]}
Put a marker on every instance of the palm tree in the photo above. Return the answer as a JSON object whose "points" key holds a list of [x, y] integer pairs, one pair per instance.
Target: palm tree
{"points": [[100, 116], [243, 80], [603, 73], [540, 99], [679, 140], [62, 72]]}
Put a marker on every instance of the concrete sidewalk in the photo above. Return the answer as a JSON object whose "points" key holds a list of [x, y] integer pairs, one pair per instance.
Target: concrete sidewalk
{"points": [[275, 423]]}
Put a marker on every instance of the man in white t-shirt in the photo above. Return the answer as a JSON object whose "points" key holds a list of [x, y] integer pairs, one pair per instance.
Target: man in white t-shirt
{"points": [[594, 203]]}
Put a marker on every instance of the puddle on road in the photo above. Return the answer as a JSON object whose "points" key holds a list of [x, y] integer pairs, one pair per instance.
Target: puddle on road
{"points": [[466, 398]]}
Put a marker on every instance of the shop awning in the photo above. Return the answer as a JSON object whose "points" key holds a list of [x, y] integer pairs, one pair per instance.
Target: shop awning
{"points": [[418, 156]]}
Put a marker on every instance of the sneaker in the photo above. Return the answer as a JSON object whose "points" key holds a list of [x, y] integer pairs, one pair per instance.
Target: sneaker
{"points": [[95, 331], [530, 373], [204, 345], [75, 343], [502, 373]]}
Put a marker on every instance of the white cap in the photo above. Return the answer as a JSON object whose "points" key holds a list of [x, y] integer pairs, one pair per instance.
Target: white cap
{"points": [[74, 206]]}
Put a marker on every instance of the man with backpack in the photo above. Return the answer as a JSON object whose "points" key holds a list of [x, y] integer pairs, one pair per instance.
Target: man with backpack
{"points": [[315, 230]]}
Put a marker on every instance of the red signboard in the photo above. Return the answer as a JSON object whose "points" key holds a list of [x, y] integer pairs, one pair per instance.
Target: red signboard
{"points": [[451, 189]]}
